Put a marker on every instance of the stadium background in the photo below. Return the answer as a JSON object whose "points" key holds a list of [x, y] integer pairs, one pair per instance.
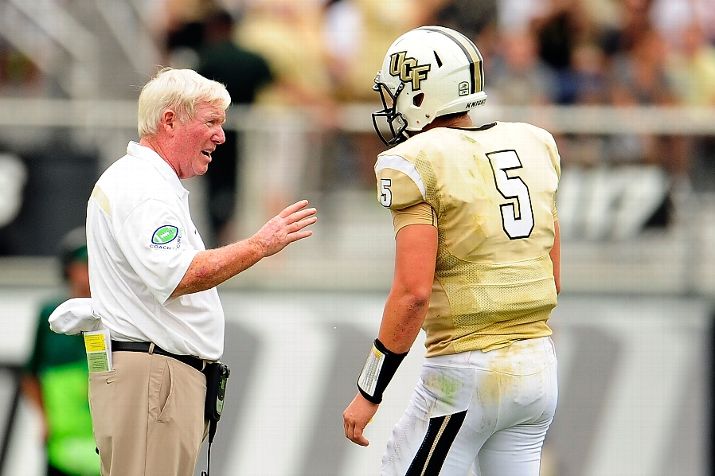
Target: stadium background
{"points": [[629, 98]]}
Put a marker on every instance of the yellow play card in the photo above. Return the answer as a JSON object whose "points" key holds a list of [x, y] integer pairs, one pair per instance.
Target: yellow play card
{"points": [[99, 350]]}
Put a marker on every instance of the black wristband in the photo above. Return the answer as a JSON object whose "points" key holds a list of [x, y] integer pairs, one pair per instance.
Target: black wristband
{"points": [[380, 367]]}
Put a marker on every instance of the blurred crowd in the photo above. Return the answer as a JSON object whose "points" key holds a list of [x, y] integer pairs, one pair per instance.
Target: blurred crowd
{"points": [[563, 52], [556, 51], [315, 55]]}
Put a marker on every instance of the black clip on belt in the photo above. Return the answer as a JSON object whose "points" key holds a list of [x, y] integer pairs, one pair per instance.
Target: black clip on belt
{"points": [[195, 362]]}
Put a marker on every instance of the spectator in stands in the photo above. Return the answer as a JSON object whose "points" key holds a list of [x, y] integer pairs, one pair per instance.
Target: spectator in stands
{"points": [[467, 16], [564, 25], [639, 74], [590, 87], [671, 18], [692, 67], [56, 376], [634, 21], [692, 70], [590, 74], [640, 78], [288, 35], [244, 73], [181, 30], [519, 77], [375, 24]]}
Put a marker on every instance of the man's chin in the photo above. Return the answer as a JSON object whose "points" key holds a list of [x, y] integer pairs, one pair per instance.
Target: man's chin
{"points": [[201, 171]]}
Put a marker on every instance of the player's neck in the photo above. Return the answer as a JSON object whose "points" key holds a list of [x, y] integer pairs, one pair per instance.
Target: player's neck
{"points": [[461, 120]]}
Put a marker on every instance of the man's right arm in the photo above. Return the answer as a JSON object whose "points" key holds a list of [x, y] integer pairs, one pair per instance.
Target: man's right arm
{"points": [[210, 268]]}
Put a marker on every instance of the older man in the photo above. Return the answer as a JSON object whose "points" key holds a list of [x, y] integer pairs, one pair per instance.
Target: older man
{"points": [[153, 282]]}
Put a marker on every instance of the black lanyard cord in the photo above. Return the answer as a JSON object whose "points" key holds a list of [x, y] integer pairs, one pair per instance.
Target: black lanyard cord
{"points": [[212, 432]]}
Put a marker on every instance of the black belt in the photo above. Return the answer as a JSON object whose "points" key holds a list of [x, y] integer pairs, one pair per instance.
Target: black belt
{"points": [[195, 362]]}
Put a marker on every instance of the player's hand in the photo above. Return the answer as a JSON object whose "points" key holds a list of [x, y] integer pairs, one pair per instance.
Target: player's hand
{"points": [[356, 417], [285, 228]]}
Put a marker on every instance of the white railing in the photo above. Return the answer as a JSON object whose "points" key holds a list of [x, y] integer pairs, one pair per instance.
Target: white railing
{"points": [[97, 113]]}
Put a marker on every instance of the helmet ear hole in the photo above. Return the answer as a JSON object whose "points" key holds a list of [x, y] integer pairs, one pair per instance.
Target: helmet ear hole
{"points": [[417, 99]]}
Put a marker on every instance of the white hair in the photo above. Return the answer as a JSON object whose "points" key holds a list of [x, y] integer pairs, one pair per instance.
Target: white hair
{"points": [[180, 90]]}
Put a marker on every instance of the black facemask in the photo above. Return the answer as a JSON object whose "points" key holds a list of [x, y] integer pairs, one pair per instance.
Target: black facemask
{"points": [[389, 124]]}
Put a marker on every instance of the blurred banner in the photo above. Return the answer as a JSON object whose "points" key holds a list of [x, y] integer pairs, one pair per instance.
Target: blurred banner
{"points": [[633, 372], [46, 195]]}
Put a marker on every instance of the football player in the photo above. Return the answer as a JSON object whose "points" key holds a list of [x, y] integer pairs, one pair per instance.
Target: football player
{"points": [[476, 266]]}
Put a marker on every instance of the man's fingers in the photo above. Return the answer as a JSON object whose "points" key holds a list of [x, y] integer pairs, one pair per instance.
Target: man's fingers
{"points": [[349, 430], [358, 437], [299, 225], [353, 432], [290, 209], [299, 215], [299, 235]]}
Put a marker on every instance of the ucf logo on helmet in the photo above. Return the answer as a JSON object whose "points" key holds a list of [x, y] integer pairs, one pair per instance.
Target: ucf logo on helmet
{"points": [[407, 69]]}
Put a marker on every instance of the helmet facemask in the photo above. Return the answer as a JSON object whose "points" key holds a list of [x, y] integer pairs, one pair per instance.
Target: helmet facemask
{"points": [[388, 119]]}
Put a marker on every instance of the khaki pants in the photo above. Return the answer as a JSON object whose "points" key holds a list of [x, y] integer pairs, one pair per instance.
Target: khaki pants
{"points": [[148, 415]]}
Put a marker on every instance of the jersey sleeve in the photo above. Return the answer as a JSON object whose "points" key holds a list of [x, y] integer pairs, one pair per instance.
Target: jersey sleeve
{"points": [[399, 184], [556, 162], [420, 214], [153, 240], [550, 143]]}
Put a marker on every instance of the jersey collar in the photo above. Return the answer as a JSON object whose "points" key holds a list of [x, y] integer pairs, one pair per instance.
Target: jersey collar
{"points": [[483, 127], [145, 153]]}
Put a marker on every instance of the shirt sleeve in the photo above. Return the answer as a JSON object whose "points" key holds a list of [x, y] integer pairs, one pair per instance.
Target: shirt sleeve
{"points": [[551, 146], [556, 163], [399, 184], [154, 241], [553, 150], [420, 214]]}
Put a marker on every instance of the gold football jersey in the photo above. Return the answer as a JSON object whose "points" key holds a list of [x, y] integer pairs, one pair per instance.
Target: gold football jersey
{"points": [[492, 194]]}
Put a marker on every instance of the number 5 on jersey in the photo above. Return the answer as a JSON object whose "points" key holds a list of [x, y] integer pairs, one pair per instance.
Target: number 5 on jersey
{"points": [[385, 192], [517, 218]]}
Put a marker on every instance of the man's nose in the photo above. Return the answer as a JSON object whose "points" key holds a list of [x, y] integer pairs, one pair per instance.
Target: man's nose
{"points": [[220, 136]]}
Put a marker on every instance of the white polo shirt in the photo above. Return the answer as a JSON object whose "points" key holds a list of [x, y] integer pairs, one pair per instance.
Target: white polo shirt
{"points": [[141, 241]]}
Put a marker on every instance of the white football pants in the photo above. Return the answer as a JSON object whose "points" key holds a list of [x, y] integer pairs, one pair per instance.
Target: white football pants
{"points": [[483, 412]]}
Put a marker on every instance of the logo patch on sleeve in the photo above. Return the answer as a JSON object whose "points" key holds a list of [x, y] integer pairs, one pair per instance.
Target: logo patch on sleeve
{"points": [[164, 234]]}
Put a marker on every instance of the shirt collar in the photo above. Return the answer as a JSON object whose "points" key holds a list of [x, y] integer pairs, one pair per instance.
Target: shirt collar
{"points": [[145, 153]]}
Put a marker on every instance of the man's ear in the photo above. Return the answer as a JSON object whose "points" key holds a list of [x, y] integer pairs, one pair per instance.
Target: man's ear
{"points": [[168, 120]]}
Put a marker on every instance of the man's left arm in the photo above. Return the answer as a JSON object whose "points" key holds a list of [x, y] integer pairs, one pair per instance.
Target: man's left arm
{"points": [[404, 313]]}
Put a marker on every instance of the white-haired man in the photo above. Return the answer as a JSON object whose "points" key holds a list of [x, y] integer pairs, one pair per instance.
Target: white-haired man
{"points": [[154, 284]]}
